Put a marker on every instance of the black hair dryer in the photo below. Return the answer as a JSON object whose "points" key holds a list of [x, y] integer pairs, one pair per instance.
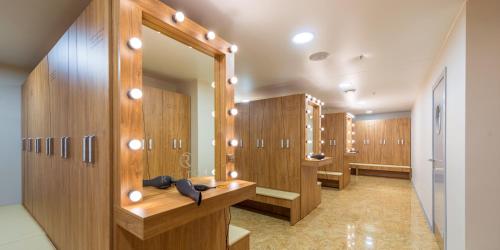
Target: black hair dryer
{"points": [[186, 188]]}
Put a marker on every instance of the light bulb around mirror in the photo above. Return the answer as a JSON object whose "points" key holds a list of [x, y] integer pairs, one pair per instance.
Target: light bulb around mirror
{"points": [[233, 80], [213, 172], [210, 35], [134, 94], [135, 144], [233, 174], [213, 85], [233, 112], [179, 17], [134, 43], [135, 196], [233, 48], [233, 143], [322, 129], [322, 142]]}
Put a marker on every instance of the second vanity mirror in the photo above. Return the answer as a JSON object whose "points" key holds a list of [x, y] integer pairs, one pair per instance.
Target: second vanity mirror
{"points": [[178, 108]]}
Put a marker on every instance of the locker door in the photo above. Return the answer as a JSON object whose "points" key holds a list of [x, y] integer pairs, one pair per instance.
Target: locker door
{"points": [[243, 151], [153, 115], [291, 115], [258, 162]]}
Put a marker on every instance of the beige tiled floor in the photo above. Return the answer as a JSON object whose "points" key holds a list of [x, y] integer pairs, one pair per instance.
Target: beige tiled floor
{"points": [[371, 213]]}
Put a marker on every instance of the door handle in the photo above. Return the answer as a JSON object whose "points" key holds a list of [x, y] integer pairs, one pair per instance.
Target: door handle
{"points": [[91, 148], [403, 141], [282, 143], [334, 142], [38, 146], [258, 143], [241, 143], [66, 147], [49, 146], [174, 143], [150, 144], [180, 144], [84, 148], [28, 148], [431, 160], [287, 143], [398, 141], [23, 144], [262, 143], [63, 146]]}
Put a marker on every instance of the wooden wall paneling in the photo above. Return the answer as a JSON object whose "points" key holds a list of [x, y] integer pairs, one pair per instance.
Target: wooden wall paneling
{"points": [[361, 138], [154, 126], [371, 141], [389, 131], [404, 137], [339, 146], [291, 115], [58, 63], [242, 133]]}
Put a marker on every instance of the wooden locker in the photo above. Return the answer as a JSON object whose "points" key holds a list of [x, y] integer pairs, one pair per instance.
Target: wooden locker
{"points": [[389, 139], [404, 130], [361, 138], [242, 153], [58, 62], [257, 110], [183, 130], [338, 144], [153, 115], [330, 149], [291, 109]]}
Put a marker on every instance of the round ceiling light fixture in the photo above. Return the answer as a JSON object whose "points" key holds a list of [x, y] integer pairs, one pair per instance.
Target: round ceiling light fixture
{"points": [[303, 37], [319, 56]]}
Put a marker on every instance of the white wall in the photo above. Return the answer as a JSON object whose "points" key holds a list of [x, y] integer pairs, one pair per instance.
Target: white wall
{"points": [[10, 132], [452, 57], [483, 123]]}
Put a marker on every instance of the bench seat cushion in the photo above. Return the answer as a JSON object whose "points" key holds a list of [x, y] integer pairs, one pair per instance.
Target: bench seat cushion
{"points": [[382, 167], [277, 193], [236, 234], [330, 173]]}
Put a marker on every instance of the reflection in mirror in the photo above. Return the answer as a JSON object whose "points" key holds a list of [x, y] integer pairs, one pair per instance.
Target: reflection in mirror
{"points": [[178, 107]]}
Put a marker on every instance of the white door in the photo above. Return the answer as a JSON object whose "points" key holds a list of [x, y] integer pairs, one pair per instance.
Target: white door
{"points": [[439, 160]]}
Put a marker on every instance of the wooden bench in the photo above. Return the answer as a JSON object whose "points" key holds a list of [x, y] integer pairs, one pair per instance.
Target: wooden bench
{"points": [[239, 238], [383, 170], [331, 179], [272, 200]]}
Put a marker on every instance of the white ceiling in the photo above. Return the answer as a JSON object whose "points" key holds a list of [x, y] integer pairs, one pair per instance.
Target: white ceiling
{"points": [[29, 28], [399, 37], [166, 58]]}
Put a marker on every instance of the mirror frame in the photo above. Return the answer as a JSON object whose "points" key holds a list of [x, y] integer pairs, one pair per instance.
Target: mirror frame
{"points": [[129, 16]]}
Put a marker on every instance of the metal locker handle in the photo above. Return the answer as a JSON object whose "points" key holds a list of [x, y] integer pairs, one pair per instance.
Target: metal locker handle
{"points": [[258, 143], [63, 145], [241, 143], [29, 144], [91, 149], [262, 143], [282, 143], [334, 142], [287, 143], [84, 148], [180, 144], [38, 146], [402, 141], [174, 143], [150, 144], [23, 144], [66, 147], [384, 141]]}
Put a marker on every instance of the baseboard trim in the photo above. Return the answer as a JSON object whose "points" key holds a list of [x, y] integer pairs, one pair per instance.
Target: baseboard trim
{"points": [[429, 224]]}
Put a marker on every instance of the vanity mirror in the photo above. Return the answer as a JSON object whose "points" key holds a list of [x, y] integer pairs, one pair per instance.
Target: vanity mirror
{"points": [[178, 108]]}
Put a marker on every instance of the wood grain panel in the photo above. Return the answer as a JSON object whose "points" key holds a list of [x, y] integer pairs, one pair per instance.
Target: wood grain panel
{"points": [[153, 126], [242, 133], [291, 117]]}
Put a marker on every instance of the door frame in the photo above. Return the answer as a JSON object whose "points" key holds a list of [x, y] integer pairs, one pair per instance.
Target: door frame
{"points": [[442, 78]]}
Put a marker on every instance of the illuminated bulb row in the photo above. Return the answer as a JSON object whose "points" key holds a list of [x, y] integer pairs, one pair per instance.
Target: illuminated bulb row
{"points": [[179, 17], [314, 100]]}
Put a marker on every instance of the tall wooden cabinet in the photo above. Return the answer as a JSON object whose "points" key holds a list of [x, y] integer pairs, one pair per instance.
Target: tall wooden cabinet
{"points": [[167, 129], [384, 142], [271, 142], [66, 136]]}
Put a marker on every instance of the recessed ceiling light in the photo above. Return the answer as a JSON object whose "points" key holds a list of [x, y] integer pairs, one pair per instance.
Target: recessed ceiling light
{"points": [[369, 111], [303, 37]]}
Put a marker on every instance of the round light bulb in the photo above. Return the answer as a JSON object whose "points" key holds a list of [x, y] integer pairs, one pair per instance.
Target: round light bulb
{"points": [[233, 174], [233, 48], [233, 80], [213, 85], [135, 196], [308, 126], [134, 94], [135, 144], [322, 116], [322, 103], [322, 142], [233, 143], [135, 43], [213, 172], [213, 113], [322, 129], [179, 17], [210, 35], [308, 111], [233, 112]]}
